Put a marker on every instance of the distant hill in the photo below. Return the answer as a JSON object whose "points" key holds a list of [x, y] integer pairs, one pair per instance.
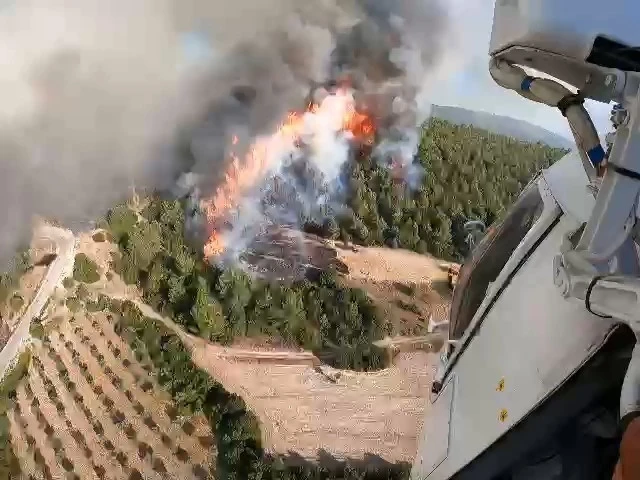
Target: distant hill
{"points": [[508, 126]]}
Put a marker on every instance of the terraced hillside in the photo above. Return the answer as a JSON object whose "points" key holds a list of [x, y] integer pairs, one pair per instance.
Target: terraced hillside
{"points": [[90, 408]]}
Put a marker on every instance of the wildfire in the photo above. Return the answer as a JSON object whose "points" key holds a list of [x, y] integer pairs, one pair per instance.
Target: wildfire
{"points": [[337, 111]]}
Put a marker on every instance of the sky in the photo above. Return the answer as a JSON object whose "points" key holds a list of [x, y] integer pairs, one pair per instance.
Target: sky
{"points": [[464, 79]]}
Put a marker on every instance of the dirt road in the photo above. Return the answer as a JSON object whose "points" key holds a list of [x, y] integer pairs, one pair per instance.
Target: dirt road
{"points": [[307, 409], [59, 268]]}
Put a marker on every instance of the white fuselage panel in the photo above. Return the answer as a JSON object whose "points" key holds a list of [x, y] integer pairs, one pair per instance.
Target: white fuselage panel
{"points": [[518, 350]]}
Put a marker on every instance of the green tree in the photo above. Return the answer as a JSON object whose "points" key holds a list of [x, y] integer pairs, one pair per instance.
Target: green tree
{"points": [[235, 292], [207, 313], [121, 220], [144, 243], [85, 270]]}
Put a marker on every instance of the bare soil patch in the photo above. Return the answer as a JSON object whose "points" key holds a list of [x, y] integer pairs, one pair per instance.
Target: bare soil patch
{"points": [[408, 287], [306, 409]]}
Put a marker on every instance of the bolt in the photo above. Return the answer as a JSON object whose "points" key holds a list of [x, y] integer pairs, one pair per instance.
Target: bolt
{"points": [[503, 415]]}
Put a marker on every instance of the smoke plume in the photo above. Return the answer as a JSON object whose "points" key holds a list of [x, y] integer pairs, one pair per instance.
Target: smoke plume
{"points": [[98, 97]]}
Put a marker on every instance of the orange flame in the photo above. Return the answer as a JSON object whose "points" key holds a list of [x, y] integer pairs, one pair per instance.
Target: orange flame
{"points": [[242, 175]]}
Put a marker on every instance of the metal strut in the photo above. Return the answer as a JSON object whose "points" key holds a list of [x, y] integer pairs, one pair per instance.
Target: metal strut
{"points": [[602, 271]]}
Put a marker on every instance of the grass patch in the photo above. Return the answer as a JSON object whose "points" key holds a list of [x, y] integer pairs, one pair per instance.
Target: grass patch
{"points": [[73, 304], [85, 270], [36, 329]]}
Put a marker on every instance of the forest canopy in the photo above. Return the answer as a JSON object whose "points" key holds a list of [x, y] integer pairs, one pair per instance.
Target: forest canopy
{"points": [[467, 173]]}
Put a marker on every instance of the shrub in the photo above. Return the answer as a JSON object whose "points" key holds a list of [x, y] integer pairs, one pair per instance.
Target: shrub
{"points": [[188, 428], [182, 454], [135, 475], [118, 417], [73, 304], [36, 330], [101, 472], [85, 270], [82, 292], [166, 441], [144, 450], [16, 303], [97, 427], [130, 432], [121, 458], [68, 283], [99, 237], [410, 307], [158, 466], [67, 464], [150, 423], [199, 472]]}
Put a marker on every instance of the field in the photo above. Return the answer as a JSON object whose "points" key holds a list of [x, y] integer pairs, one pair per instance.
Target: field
{"points": [[89, 408]]}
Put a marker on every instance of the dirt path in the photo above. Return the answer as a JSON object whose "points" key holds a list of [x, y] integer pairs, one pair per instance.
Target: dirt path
{"points": [[304, 408], [59, 268]]}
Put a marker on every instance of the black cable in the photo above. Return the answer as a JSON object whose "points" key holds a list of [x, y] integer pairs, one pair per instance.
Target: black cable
{"points": [[587, 298]]}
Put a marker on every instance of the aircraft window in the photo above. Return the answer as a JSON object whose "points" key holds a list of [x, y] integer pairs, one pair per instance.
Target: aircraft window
{"points": [[489, 257]]}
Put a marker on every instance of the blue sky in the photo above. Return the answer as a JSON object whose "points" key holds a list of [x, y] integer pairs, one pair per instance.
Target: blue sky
{"points": [[465, 82]]}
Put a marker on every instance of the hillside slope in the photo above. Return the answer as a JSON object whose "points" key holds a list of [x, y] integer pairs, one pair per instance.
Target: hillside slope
{"points": [[502, 125]]}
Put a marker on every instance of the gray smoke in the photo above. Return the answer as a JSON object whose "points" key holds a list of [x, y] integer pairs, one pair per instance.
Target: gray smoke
{"points": [[98, 97]]}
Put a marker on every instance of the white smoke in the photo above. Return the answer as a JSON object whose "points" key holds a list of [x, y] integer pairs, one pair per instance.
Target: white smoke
{"points": [[100, 96]]}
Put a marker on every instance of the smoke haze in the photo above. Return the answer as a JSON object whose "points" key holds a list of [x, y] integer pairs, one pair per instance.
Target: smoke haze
{"points": [[99, 96]]}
